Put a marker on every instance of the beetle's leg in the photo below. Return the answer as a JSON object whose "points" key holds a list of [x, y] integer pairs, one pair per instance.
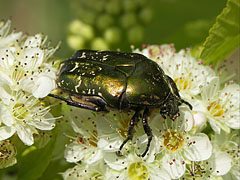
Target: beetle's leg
{"points": [[132, 123], [77, 104], [163, 115], [147, 129], [187, 103]]}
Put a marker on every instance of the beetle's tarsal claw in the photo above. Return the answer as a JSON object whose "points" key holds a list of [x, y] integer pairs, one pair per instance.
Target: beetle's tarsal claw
{"points": [[187, 103], [119, 154], [164, 117], [144, 154]]}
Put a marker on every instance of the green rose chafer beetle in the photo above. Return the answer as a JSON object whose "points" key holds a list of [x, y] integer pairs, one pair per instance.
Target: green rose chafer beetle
{"points": [[105, 80]]}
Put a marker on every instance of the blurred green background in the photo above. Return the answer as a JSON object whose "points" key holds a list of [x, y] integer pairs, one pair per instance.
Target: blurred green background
{"points": [[114, 23]]}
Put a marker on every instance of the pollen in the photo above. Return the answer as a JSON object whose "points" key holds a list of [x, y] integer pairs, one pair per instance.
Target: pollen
{"points": [[182, 84], [21, 112], [138, 171], [215, 109], [173, 140], [92, 140]]}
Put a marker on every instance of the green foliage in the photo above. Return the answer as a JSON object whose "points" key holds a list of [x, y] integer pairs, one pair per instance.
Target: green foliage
{"points": [[224, 36], [35, 161]]}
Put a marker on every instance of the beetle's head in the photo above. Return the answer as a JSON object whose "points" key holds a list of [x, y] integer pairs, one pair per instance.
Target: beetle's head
{"points": [[170, 107]]}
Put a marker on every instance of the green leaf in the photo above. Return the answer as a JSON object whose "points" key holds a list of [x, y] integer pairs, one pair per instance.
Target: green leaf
{"points": [[35, 161], [224, 36]]}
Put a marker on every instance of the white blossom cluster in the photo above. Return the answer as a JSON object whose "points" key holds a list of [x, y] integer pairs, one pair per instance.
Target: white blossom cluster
{"points": [[181, 149], [25, 76]]}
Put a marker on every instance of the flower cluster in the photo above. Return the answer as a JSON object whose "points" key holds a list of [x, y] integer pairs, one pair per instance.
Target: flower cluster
{"points": [[180, 149], [25, 76]]}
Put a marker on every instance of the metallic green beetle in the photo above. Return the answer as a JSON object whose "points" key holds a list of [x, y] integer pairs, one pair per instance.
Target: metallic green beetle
{"points": [[105, 80]]}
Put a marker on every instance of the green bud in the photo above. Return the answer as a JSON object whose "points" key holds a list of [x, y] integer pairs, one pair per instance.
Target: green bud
{"points": [[113, 7], [7, 154], [76, 42], [97, 5], [141, 3], [135, 34], [128, 20], [145, 15], [99, 44], [129, 5], [104, 21], [112, 35], [87, 16], [79, 28]]}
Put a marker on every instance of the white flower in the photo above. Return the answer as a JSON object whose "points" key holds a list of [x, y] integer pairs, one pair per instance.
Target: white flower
{"points": [[229, 144], [84, 147], [23, 114], [220, 107], [155, 52], [178, 145], [134, 167], [7, 154], [25, 64], [212, 169], [84, 171], [8, 39], [113, 130]]}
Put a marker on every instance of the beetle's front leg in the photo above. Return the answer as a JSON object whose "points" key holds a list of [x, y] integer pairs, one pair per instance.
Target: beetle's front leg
{"points": [[147, 129], [132, 123], [77, 104]]}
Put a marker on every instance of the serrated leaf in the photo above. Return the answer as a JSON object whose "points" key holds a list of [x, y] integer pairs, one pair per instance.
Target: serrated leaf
{"points": [[224, 36], [34, 163]]}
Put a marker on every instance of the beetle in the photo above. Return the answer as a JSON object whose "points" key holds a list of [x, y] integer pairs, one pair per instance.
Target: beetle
{"points": [[105, 80]]}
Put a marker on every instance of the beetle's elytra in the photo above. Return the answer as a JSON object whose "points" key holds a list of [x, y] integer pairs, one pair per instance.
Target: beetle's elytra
{"points": [[101, 80]]}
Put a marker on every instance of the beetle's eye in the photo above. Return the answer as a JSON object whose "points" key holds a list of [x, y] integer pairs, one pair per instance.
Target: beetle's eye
{"points": [[164, 109]]}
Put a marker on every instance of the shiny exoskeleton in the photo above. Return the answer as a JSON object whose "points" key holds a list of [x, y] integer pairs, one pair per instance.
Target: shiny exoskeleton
{"points": [[105, 80]]}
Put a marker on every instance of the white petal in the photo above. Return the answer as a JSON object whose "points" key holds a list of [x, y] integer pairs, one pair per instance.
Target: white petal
{"points": [[188, 117], [6, 132], [160, 174], [198, 106], [211, 89], [221, 163], [233, 120], [110, 142], [5, 80], [234, 91], [10, 39], [175, 166], [25, 134], [5, 96], [235, 173], [199, 120], [154, 147], [34, 41], [43, 86], [214, 125], [6, 116], [40, 86], [43, 124], [95, 157], [199, 148], [74, 152], [28, 53], [5, 27], [46, 123], [114, 161]]}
